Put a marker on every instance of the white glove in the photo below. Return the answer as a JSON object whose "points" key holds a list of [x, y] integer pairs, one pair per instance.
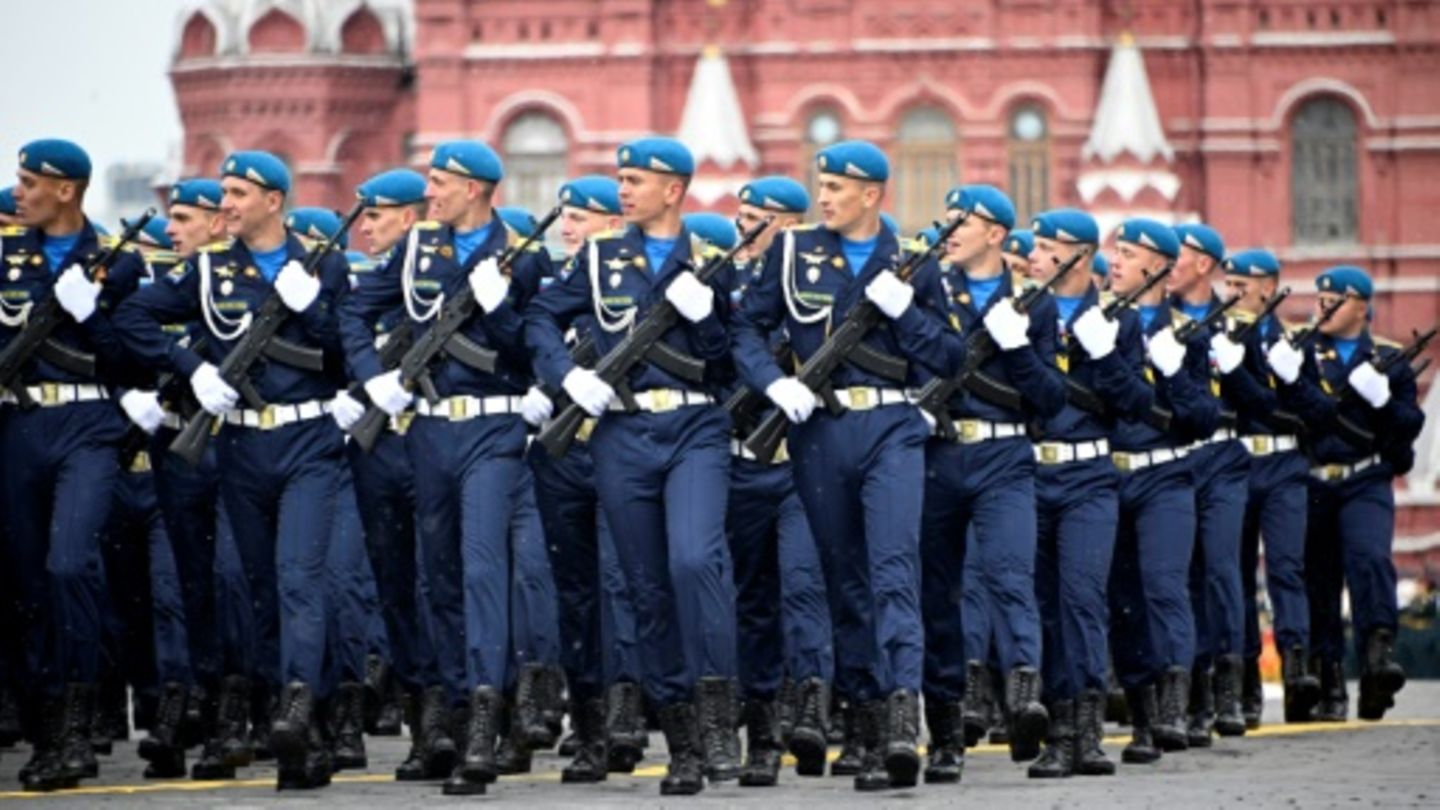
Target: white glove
{"points": [[694, 300], [1009, 327], [1228, 354], [387, 393], [143, 408], [1285, 360], [535, 408], [489, 286], [588, 391], [297, 288], [1096, 333], [792, 397], [890, 294], [76, 293], [346, 411], [1166, 353], [1370, 384], [214, 394]]}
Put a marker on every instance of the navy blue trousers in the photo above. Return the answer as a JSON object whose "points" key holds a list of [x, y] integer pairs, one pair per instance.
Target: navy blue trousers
{"points": [[1276, 512], [1217, 595], [534, 605], [1351, 529]]}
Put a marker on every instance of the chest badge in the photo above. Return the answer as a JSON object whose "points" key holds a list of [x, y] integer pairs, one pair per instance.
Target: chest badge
{"points": [[13, 274], [838, 262], [36, 260], [251, 272], [615, 264], [227, 287], [812, 274], [615, 279], [640, 262], [425, 264], [447, 251]]}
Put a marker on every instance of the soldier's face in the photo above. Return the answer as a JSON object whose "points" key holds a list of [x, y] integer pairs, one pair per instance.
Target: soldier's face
{"points": [[1192, 268], [1350, 318], [1131, 265], [191, 228], [973, 238], [1047, 256], [579, 224], [383, 226], [1253, 292], [749, 218], [1016, 263], [644, 196], [39, 199], [247, 208], [448, 195], [846, 202]]}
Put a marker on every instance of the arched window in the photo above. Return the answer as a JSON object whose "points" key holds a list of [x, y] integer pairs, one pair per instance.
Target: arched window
{"points": [[198, 38], [276, 32], [1028, 147], [536, 164], [925, 167], [362, 33], [1322, 173], [822, 128]]}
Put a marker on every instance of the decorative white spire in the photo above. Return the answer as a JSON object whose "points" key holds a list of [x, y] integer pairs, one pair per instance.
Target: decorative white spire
{"points": [[712, 124], [1126, 119]]}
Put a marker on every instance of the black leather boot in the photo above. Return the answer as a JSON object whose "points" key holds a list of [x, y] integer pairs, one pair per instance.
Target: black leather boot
{"points": [[902, 736], [264, 703], [624, 726], [1229, 719], [478, 768], [511, 753], [77, 747], [44, 771], [1200, 711], [392, 711], [685, 775], [290, 737], [1334, 704], [1090, 759], [852, 752], [1144, 709], [552, 704], [1028, 719], [715, 704], [347, 726], [871, 719], [211, 764], [163, 747], [1174, 698], [1057, 761], [591, 762], [1302, 689], [763, 748], [788, 703], [807, 730], [945, 754], [1252, 694], [527, 709], [999, 733], [432, 749], [1381, 676], [979, 710]]}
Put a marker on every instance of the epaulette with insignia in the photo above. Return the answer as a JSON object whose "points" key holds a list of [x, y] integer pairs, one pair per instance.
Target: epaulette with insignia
{"points": [[1179, 317], [164, 257], [217, 247], [428, 225], [1240, 316], [13, 230], [106, 241], [613, 233], [1386, 342], [805, 226]]}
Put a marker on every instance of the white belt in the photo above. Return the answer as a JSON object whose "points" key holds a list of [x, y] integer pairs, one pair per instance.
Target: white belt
{"points": [[462, 408], [1339, 472], [1049, 453], [974, 431], [53, 395], [277, 416], [739, 450], [865, 398], [664, 400], [1131, 462], [1262, 445], [1221, 435]]}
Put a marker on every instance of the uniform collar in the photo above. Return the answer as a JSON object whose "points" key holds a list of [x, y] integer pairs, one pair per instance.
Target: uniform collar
{"points": [[1364, 347], [884, 257], [294, 249], [1007, 285], [86, 245], [635, 240]]}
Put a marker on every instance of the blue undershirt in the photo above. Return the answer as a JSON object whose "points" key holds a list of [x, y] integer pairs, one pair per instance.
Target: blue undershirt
{"points": [[657, 250], [466, 242], [1195, 312], [982, 289], [1345, 347], [1147, 315], [1067, 306], [57, 248], [270, 261], [858, 253]]}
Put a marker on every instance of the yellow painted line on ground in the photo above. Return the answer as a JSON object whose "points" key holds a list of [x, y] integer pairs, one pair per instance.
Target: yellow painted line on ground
{"points": [[649, 771]]}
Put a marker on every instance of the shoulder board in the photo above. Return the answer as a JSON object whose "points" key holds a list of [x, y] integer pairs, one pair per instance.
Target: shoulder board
{"points": [[805, 226], [1106, 297], [1179, 316], [1240, 316], [913, 245], [164, 257], [217, 247], [709, 251], [1385, 342], [613, 233], [13, 230], [106, 241], [428, 225]]}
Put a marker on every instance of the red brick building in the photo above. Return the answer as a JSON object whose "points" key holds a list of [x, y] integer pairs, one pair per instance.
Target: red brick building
{"points": [[1311, 127]]}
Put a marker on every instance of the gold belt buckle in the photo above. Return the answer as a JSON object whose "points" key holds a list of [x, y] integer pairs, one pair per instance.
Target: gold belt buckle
{"points": [[583, 434], [458, 408], [1262, 445], [141, 462], [662, 400], [1122, 461], [969, 429], [49, 393], [1049, 454], [860, 399], [782, 453], [1332, 472], [400, 422], [267, 417]]}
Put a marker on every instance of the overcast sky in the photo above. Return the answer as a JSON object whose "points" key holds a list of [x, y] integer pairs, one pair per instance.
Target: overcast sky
{"points": [[93, 71]]}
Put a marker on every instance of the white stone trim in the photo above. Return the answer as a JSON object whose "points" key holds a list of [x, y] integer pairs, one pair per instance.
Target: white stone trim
{"points": [[1320, 39]]}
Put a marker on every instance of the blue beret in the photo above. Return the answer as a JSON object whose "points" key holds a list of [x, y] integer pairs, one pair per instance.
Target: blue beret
{"points": [[318, 224], [153, 233], [776, 193], [859, 159], [7, 200], [1066, 225], [1346, 279], [656, 155], [928, 236], [713, 228], [1100, 265], [392, 188], [200, 192], [1149, 233], [1252, 263], [261, 168], [986, 201], [890, 224], [519, 220], [1021, 242], [593, 192], [471, 159], [53, 157], [1202, 238]]}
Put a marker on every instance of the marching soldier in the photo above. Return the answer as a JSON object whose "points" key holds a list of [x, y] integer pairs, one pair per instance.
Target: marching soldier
{"points": [[466, 449], [860, 473], [1019, 244], [673, 450], [280, 466], [1221, 469], [58, 418]]}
